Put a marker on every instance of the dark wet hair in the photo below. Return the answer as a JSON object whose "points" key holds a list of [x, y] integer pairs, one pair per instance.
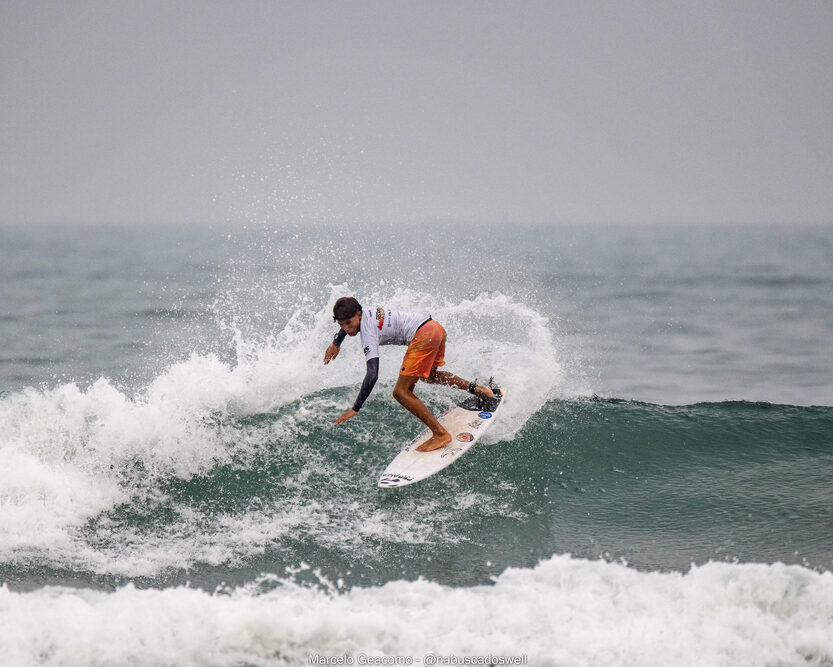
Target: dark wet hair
{"points": [[345, 308]]}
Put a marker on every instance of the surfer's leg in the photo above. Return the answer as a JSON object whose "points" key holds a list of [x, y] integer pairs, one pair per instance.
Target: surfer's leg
{"points": [[404, 393], [444, 377], [426, 353]]}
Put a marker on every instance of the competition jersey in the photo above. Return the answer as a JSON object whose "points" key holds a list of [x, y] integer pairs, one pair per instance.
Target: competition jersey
{"points": [[382, 326]]}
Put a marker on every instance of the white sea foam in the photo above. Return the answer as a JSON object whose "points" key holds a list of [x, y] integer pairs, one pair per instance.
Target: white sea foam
{"points": [[494, 335], [71, 454], [565, 611]]}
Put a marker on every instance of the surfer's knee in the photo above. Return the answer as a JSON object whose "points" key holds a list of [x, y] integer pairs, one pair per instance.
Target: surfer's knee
{"points": [[400, 393], [404, 389]]}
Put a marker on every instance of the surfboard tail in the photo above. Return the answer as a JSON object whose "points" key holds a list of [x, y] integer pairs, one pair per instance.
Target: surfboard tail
{"points": [[479, 403]]}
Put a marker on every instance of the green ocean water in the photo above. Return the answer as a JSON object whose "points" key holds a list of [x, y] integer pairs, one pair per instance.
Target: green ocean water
{"points": [[657, 487]]}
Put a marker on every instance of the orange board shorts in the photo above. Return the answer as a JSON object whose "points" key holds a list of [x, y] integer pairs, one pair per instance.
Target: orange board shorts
{"points": [[425, 352]]}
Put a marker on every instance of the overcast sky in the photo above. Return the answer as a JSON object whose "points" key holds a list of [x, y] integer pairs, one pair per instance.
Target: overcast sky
{"points": [[581, 111]]}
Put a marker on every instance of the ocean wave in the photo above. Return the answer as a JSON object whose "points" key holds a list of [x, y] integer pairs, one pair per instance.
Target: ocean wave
{"points": [[221, 466], [103, 480]]}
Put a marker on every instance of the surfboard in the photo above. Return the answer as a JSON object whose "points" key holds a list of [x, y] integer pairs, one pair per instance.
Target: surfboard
{"points": [[466, 422]]}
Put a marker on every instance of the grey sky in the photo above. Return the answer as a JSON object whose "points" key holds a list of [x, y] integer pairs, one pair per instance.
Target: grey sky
{"points": [[408, 111]]}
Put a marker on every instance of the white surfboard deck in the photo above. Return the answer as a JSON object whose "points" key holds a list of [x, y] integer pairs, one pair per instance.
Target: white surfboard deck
{"points": [[466, 422]]}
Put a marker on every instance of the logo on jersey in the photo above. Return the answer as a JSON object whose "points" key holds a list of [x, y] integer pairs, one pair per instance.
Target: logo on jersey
{"points": [[465, 437], [485, 415], [380, 315], [366, 349]]}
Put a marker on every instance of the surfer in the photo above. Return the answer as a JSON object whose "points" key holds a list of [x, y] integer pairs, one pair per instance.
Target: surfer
{"points": [[425, 339]]}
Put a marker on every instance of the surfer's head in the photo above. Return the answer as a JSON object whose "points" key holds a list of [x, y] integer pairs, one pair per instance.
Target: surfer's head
{"points": [[348, 313]]}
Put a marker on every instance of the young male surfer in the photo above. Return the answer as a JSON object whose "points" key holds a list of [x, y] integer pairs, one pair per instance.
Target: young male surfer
{"points": [[425, 339]]}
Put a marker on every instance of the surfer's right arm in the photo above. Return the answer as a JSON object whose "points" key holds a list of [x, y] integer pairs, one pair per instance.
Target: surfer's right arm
{"points": [[368, 383], [334, 348]]}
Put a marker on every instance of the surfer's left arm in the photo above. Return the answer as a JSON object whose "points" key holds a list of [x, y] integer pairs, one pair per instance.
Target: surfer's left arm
{"points": [[368, 383]]}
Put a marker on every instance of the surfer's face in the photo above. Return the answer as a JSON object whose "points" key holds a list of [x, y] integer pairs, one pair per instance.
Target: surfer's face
{"points": [[352, 325]]}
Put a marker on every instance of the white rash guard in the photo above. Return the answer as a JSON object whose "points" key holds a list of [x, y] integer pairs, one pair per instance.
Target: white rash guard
{"points": [[382, 326]]}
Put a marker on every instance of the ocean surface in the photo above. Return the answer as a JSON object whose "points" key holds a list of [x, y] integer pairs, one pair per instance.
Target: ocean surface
{"points": [[657, 491]]}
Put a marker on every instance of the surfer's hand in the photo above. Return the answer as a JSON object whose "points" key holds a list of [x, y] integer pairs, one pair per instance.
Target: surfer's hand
{"points": [[347, 415], [331, 353]]}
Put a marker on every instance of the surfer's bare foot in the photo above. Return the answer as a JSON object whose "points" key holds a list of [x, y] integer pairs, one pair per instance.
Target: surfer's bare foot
{"points": [[484, 392], [435, 442]]}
